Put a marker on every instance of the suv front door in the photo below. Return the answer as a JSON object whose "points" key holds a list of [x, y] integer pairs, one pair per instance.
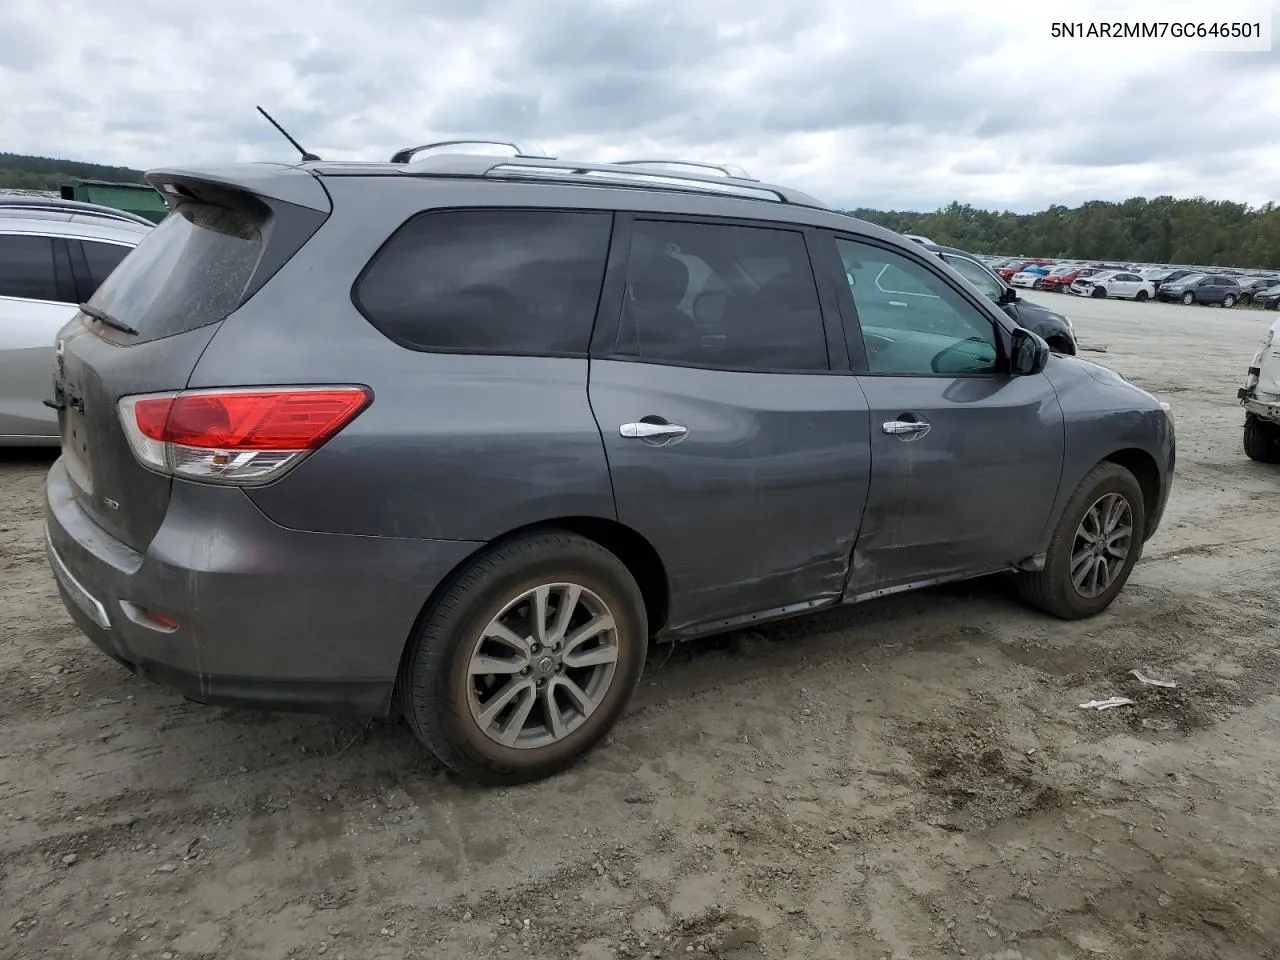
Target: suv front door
{"points": [[733, 446], [966, 458]]}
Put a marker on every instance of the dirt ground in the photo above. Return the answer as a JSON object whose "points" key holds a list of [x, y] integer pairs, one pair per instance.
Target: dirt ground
{"points": [[907, 779]]}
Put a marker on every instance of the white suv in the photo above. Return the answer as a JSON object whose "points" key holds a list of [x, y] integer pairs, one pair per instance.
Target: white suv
{"points": [[53, 255]]}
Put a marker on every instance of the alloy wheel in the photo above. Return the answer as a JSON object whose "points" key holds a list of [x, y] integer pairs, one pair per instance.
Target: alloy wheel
{"points": [[542, 665], [1101, 545]]}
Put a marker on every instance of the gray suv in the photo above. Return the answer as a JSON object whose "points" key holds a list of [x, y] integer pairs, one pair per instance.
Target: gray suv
{"points": [[460, 434]]}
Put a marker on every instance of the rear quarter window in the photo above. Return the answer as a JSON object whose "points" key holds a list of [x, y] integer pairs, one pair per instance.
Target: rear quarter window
{"points": [[489, 281]]}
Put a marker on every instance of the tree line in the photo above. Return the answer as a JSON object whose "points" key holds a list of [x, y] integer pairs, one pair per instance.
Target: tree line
{"points": [[1162, 230], [21, 172]]}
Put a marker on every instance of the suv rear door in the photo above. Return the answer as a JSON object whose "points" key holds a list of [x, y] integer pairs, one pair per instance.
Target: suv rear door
{"points": [[966, 459], [733, 445]]}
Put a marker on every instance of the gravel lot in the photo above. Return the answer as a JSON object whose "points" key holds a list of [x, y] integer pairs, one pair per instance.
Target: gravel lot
{"points": [[910, 778]]}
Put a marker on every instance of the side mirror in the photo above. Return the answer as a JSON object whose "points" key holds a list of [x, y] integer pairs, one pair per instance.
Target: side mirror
{"points": [[1010, 295], [1030, 354]]}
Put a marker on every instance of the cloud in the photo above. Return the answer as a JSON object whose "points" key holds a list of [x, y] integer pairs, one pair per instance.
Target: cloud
{"points": [[892, 106]]}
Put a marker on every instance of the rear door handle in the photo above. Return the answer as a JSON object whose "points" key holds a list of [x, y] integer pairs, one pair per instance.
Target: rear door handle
{"points": [[907, 429], [645, 430]]}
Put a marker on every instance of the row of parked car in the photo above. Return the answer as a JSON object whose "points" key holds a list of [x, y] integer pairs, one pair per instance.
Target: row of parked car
{"points": [[1178, 285]]}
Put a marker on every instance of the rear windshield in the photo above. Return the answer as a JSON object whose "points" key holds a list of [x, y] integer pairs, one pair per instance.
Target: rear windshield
{"points": [[191, 270]]}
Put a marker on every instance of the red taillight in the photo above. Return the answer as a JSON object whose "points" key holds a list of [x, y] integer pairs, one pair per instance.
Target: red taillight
{"points": [[236, 435], [266, 420]]}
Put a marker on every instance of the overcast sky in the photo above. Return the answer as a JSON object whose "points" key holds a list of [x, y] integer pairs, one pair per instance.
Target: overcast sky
{"points": [[907, 104]]}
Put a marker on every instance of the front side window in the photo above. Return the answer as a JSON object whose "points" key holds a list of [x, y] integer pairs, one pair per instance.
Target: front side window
{"points": [[723, 296], [912, 322], [490, 281], [26, 268]]}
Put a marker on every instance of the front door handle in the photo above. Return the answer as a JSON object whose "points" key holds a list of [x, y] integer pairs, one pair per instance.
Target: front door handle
{"points": [[906, 429], [647, 430]]}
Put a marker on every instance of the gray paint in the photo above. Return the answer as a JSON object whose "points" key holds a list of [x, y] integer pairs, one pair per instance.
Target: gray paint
{"points": [[759, 504], [785, 495]]}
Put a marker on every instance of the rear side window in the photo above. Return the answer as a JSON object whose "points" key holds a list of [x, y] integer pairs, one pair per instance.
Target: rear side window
{"points": [[102, 259], [26, 268], [489, 281], [191, 270], [723, 296]]}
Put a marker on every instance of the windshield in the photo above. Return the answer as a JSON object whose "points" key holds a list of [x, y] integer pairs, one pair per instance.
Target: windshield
{"points": [[1191, 278]]}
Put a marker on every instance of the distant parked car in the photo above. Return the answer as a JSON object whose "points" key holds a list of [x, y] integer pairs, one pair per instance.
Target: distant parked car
{"points": [[1268, 299], [1201, 289], [1053, 279], [1162, 277], [53, 255], [1018, 266], [1029, 276], [1250, 287], [1061, 282], [1115, 283]]}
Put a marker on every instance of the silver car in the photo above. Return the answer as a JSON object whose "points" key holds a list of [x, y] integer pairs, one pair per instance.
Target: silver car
{"points": [[53, 255]]}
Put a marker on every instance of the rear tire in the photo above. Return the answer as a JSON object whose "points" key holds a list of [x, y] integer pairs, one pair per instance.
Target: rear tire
{"points": [[1142, 296], [1261, 440], [567, 696], [1108, 492]]}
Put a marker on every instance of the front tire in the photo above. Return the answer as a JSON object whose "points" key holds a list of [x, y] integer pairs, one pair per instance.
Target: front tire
{"points": [[1261, 440], [1228, 301], [1099, 293], [1142, 296], [1188, 298], [1097, 541], [527, 660]]}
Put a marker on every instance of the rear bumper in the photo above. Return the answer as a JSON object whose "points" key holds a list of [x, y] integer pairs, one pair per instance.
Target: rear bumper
{"points": [[267, 617]]}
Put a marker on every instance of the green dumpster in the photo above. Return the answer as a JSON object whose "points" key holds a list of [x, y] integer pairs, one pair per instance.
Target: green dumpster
{"points": [[134, 197]]}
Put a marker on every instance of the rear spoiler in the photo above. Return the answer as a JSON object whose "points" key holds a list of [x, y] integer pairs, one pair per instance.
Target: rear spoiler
{"points": [[268, 181]]}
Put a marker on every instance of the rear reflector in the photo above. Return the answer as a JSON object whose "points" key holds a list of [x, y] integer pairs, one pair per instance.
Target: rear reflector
{"points": [[240, 436]]}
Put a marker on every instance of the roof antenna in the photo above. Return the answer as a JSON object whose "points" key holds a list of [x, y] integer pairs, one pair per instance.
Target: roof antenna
{"points": [[306, 155]]}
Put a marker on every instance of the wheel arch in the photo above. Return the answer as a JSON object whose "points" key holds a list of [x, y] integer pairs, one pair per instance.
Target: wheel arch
{"points": [[1145, 470], [636, 553]]}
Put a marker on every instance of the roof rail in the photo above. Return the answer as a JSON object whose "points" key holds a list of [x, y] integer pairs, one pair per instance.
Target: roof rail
{"points": [[727, 169], [76, 207], [408, 153], [621, 175]]}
